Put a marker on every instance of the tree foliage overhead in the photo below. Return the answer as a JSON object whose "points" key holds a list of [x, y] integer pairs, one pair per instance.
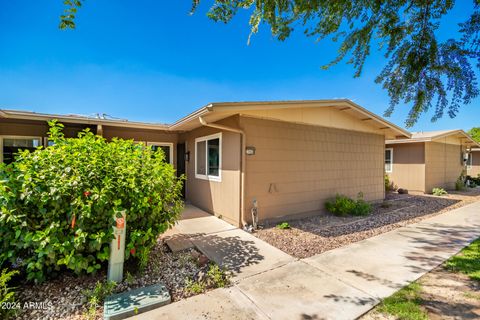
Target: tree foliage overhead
{"points": [[421, 70], [67, 19], [475, 133]]}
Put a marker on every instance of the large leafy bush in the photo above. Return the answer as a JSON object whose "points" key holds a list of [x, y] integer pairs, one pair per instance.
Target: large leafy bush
{"points": [[57, 204]]}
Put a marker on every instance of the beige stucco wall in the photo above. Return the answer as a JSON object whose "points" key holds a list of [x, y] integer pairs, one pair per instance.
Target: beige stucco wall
{"points": [[443, 164], [220, 198], [474, 170], [408, 171], [297, 167]]}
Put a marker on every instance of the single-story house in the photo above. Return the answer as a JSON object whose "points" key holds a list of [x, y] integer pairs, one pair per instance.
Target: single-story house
{"points": [[473, 163], [286, 156], [427, 160]]}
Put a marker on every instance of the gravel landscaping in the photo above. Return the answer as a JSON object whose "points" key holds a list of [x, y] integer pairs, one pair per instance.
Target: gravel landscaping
{"points": [[64, 297], [309, 236]]}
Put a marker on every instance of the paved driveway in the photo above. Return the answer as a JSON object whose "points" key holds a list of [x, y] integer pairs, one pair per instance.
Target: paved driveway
{"points": [[342, 283]]}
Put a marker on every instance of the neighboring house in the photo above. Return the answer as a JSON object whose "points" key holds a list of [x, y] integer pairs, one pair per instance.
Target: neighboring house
{"points": [[288, 156], [427, 160], [473, 163]]}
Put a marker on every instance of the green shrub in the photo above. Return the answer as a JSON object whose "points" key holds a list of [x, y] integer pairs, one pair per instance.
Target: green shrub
{"points": [[388, 185], [439, 192], [7, 295], [283, 225], [57, 204], [342, 205], [362, 208]]}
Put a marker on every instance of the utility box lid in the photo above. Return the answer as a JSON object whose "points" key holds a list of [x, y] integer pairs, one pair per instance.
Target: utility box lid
{"points": [[127, 304]]}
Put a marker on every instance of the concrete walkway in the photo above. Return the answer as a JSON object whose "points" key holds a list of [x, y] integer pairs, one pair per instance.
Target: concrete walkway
{"points": [[340, 284]]}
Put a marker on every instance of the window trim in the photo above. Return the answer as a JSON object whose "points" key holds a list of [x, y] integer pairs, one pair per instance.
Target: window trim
{"points": [[206, 176], [163, 144], [470, 163], [40, 139], [391, 160]]}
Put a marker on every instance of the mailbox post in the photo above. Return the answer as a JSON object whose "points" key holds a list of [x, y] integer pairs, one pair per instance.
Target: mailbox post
{"points": [[117, 249]]}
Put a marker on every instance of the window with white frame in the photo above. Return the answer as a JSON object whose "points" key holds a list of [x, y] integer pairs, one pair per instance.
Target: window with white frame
{"points": [[469, 160], [166, 147], [11, 145], [388, 159], [208, 157]]}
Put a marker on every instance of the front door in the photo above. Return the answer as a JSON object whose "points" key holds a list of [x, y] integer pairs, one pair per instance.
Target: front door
{"points": [[181, 163]]}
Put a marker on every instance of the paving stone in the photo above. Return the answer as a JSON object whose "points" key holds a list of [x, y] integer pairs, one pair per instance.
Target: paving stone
{"points": [[179, 242]]}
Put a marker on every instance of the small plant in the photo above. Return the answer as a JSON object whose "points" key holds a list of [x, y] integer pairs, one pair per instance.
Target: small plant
{"points": [[217, 277], [129, 279], [7, 294], [439, 192], [460, 183], [388, 186], [194, 287], [214, 278], [97, 296], [283, 225], [362, 208], [343, 205]]}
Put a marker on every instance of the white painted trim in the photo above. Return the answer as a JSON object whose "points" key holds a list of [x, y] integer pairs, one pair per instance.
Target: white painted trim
{"points": [[164, 144], [206, 176], [16, 137], [470, 157], [391, 160]]}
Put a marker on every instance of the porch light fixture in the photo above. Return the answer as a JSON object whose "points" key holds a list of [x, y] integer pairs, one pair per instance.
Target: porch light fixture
{"points": [[187, 156], [250, 151]]}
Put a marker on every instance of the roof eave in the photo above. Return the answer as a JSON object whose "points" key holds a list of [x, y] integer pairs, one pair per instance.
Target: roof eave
{"points": [[241, 106], [191, 117], [71, 119]]}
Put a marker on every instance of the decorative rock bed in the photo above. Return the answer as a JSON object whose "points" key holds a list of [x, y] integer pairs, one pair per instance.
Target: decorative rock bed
{"points": [[64, 296], [309, 236]]}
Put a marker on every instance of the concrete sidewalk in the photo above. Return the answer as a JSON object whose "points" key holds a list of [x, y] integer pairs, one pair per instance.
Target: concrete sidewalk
{"points": [[340, 284]]}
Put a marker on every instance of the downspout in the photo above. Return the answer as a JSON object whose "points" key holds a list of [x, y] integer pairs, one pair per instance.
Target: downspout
{"points": [[242, 154]]}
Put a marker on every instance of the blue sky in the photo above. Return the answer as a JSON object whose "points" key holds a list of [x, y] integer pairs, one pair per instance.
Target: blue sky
{"points": [[150, 60]]}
